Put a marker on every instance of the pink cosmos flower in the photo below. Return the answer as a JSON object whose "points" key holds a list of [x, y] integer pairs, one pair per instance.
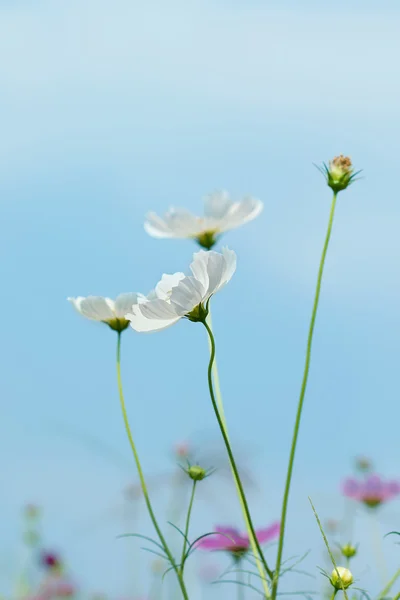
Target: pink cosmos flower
{"points": [[230, 540], [371, 491]]}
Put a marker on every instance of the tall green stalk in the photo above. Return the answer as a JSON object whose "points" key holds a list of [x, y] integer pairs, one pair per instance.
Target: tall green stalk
{"points": [[301, 401], [141, 476], [258, 553]]}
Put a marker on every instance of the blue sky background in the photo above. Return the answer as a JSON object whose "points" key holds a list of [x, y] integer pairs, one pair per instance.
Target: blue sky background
{"points": [[112, 109]]}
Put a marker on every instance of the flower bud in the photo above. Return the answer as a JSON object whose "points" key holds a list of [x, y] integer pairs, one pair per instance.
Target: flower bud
{"points": [[341, 578], [196, 473], [348, 551], [339, 174], [31, 511], [363, 464]]}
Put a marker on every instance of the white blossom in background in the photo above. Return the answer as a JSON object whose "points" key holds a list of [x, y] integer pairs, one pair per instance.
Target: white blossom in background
{"points": [[220, 214], [178, 296], [105, 310]]}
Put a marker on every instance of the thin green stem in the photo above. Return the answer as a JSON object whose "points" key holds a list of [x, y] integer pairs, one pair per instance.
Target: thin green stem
{"points": [[301, 401], [189, 513], [258, 553], [220, 405], [389, 585], [397, 596], [334, 594], [141, 476]]}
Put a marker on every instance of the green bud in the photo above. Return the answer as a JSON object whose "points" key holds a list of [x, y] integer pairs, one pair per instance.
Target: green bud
{"points": [[348, 551], [341, 578], [339, 174], [196, 473]]}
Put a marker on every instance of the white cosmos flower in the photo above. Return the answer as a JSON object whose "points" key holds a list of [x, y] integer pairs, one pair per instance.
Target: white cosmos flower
{"points": [[177, 296], [105, 310], [220, 215]]}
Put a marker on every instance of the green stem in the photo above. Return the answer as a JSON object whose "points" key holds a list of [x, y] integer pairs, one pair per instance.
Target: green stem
{"points": [[141, 476], [397, 596], [182, 565], [258, 554], [389, 585], [301, 401], [334, 595], [220, 405]]}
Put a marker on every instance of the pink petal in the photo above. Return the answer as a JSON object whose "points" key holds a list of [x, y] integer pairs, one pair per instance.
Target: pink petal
{"points": [[268, 533], [373, 485], [351, 488], [223, 539], [393, 488]]}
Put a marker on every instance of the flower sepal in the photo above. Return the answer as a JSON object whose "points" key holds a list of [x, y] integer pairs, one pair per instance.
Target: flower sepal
{"points": [[207, 239], [118, 324], [199, 314]]}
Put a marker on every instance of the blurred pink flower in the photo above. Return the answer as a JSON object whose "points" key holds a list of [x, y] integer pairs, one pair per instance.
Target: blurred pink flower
{"points": [[230, 540], [55, 587], [371, 491]]}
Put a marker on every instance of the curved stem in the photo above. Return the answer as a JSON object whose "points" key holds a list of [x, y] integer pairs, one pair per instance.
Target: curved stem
{"points": [[182, 565], [301, 401], [217, 385], [258, 553], [220, 405], [141, 476]]}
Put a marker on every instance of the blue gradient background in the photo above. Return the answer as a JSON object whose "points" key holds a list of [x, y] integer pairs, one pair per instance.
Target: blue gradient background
{"points": [[112, 109]]}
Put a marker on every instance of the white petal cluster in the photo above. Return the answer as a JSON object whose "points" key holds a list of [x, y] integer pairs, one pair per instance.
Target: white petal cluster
{"points": [[105, 310], [220, 214], [177, 296]]}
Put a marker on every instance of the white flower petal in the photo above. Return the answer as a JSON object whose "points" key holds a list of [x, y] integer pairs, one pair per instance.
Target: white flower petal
{"points": [[96, 308], [142, 324], [124, 303], [188, 294], [230, 266], [157, 309], [215, 268], [157, 227], [183, 223], [177, 223], [241, 213], [199, 267], [216, 205], [164, 287]]}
